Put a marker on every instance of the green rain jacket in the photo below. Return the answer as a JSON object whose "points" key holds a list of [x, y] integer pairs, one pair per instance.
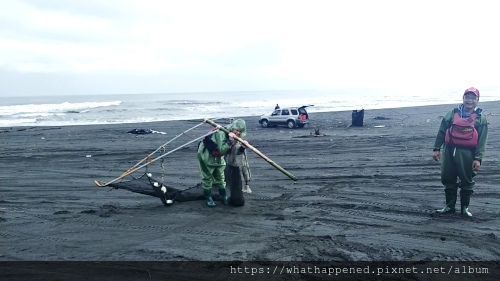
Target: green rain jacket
{"points": [[481, 125], [221, 139]]}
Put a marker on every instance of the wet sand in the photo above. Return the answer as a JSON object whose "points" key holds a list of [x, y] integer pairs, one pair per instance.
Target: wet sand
{"points": [[363, 194]]}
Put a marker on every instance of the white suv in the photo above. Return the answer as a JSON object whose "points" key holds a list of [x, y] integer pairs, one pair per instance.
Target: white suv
{"points": [[289, 116]]}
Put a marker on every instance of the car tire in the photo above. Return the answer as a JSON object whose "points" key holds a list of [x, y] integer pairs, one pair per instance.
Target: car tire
{"points": [[290, 124], [264, 123]]}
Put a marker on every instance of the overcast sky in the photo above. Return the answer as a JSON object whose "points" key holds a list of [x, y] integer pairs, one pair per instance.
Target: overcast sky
{"points": [[62, 47]]}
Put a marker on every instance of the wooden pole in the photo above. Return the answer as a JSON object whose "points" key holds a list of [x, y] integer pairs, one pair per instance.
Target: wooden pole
{"points": [[130, 171], [253, 149]]}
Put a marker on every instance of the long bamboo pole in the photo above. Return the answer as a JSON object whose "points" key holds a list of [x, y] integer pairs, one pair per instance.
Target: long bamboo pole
{"points": [[127, 172], [102, 184], [253, 149]]}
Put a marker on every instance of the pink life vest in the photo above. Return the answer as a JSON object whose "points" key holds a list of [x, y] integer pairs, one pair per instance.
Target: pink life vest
{"points": [[462, 132]]}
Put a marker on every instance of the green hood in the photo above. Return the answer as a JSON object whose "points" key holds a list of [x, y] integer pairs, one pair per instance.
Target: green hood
{"points": [[240, 125]]}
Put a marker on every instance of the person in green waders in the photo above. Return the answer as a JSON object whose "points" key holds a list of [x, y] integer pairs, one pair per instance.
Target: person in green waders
{"points": [[211, 163], [463, 134]]}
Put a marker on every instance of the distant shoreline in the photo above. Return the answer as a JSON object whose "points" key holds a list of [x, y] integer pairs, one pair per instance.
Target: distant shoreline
{"points": [[483, 105]]}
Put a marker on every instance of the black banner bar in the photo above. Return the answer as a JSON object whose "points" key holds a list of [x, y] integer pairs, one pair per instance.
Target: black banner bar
{"points": [[248, 270]]}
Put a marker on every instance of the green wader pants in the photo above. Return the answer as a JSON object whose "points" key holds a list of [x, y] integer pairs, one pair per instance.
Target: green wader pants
{"points": [[457, 163], [212, 175]]}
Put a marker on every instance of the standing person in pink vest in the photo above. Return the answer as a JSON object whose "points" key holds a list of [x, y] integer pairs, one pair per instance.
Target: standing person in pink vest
{"points": [[462, 134]]}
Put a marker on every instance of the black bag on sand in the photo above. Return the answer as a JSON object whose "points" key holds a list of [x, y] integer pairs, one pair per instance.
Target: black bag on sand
{"points": [[233, 179], [357, 117]]}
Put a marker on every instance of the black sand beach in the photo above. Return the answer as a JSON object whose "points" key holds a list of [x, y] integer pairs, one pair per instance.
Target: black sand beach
{"points": [[363, 194]]}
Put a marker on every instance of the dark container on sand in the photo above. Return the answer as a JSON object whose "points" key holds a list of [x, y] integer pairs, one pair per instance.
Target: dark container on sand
{"points": [[357, 117]]}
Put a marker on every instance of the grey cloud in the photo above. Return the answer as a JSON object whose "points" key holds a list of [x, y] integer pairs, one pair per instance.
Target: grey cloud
{"points": [[44, 84], [255, 54], [95, 8], [19, 31]]}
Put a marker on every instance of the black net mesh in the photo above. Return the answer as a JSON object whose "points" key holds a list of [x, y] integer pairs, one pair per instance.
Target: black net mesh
{"points": [[169, 194]]}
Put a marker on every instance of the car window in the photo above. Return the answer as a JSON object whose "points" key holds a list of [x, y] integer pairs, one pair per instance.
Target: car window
{"points": [[285, 112], [276, 112], [302, 110], [294, 112]]}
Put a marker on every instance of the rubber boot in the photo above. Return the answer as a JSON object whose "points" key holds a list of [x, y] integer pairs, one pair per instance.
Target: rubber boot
{"points": [[451, 200], [208, 197], [223, 196], [464, 206]]}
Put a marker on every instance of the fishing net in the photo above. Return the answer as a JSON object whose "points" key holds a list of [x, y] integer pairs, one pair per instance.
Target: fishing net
{"points": [[147, 185]]}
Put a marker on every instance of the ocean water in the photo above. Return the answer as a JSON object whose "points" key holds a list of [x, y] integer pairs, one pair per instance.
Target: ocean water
{"points": [[135, 108]]}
